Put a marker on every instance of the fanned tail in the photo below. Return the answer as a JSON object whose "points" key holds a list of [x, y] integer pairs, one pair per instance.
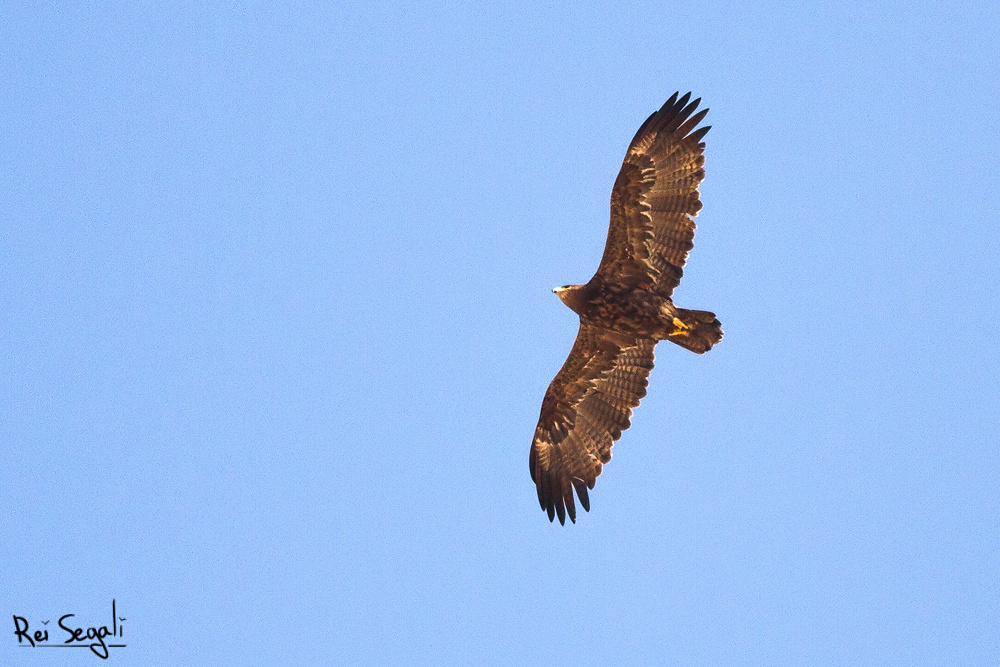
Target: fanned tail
{"points": [[700, 332]]}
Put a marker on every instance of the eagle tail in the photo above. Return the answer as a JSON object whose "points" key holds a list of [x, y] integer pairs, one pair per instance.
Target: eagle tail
{"points": [[700, 332]]}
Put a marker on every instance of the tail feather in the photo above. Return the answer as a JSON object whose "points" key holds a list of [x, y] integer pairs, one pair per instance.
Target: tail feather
{"points": [[704, 330]]}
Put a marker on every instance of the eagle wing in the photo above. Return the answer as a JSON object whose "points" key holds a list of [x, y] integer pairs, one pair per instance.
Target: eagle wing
{"points": [[655, 199], [586, 407]]}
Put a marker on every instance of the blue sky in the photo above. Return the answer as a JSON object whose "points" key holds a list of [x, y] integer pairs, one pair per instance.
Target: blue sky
{"points": [[277, 323]]}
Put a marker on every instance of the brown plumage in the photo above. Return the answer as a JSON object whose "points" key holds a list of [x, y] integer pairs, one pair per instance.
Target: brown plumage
{"points": [[625, 309]]}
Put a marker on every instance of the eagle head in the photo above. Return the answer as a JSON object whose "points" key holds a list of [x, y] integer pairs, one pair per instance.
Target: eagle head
{"points": [[571, 295]]}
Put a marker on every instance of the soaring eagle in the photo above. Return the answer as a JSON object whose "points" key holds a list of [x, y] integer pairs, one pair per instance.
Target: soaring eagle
{"points": [[625, 309]]}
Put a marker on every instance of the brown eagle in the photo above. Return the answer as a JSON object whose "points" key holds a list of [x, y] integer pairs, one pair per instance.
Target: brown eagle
{"points": [[625, 309]]}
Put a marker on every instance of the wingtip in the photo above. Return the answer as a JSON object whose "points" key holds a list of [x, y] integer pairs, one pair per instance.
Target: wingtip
{"points": [[698, 134], [581, 493]]}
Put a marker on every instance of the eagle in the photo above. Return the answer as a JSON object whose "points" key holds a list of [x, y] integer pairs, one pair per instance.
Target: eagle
{"points": [[625, 309]]}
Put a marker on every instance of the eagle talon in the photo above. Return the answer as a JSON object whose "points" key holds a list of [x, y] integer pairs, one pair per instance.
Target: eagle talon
{"points": [[682, 329]]}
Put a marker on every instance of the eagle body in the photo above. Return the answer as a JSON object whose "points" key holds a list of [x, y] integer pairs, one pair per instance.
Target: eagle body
{"points": [[622, 308], [625, 309]]}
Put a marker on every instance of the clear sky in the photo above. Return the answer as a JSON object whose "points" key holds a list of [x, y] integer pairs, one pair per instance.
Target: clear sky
{"points": [[277, 322]]}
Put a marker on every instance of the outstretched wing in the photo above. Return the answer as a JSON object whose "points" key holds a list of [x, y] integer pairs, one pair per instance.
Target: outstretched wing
{"points": [[585, 409], [655, 199]]}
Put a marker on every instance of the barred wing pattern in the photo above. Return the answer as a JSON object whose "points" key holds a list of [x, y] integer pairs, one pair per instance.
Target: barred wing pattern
{"points": [[586, 408], [655, 199]]}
